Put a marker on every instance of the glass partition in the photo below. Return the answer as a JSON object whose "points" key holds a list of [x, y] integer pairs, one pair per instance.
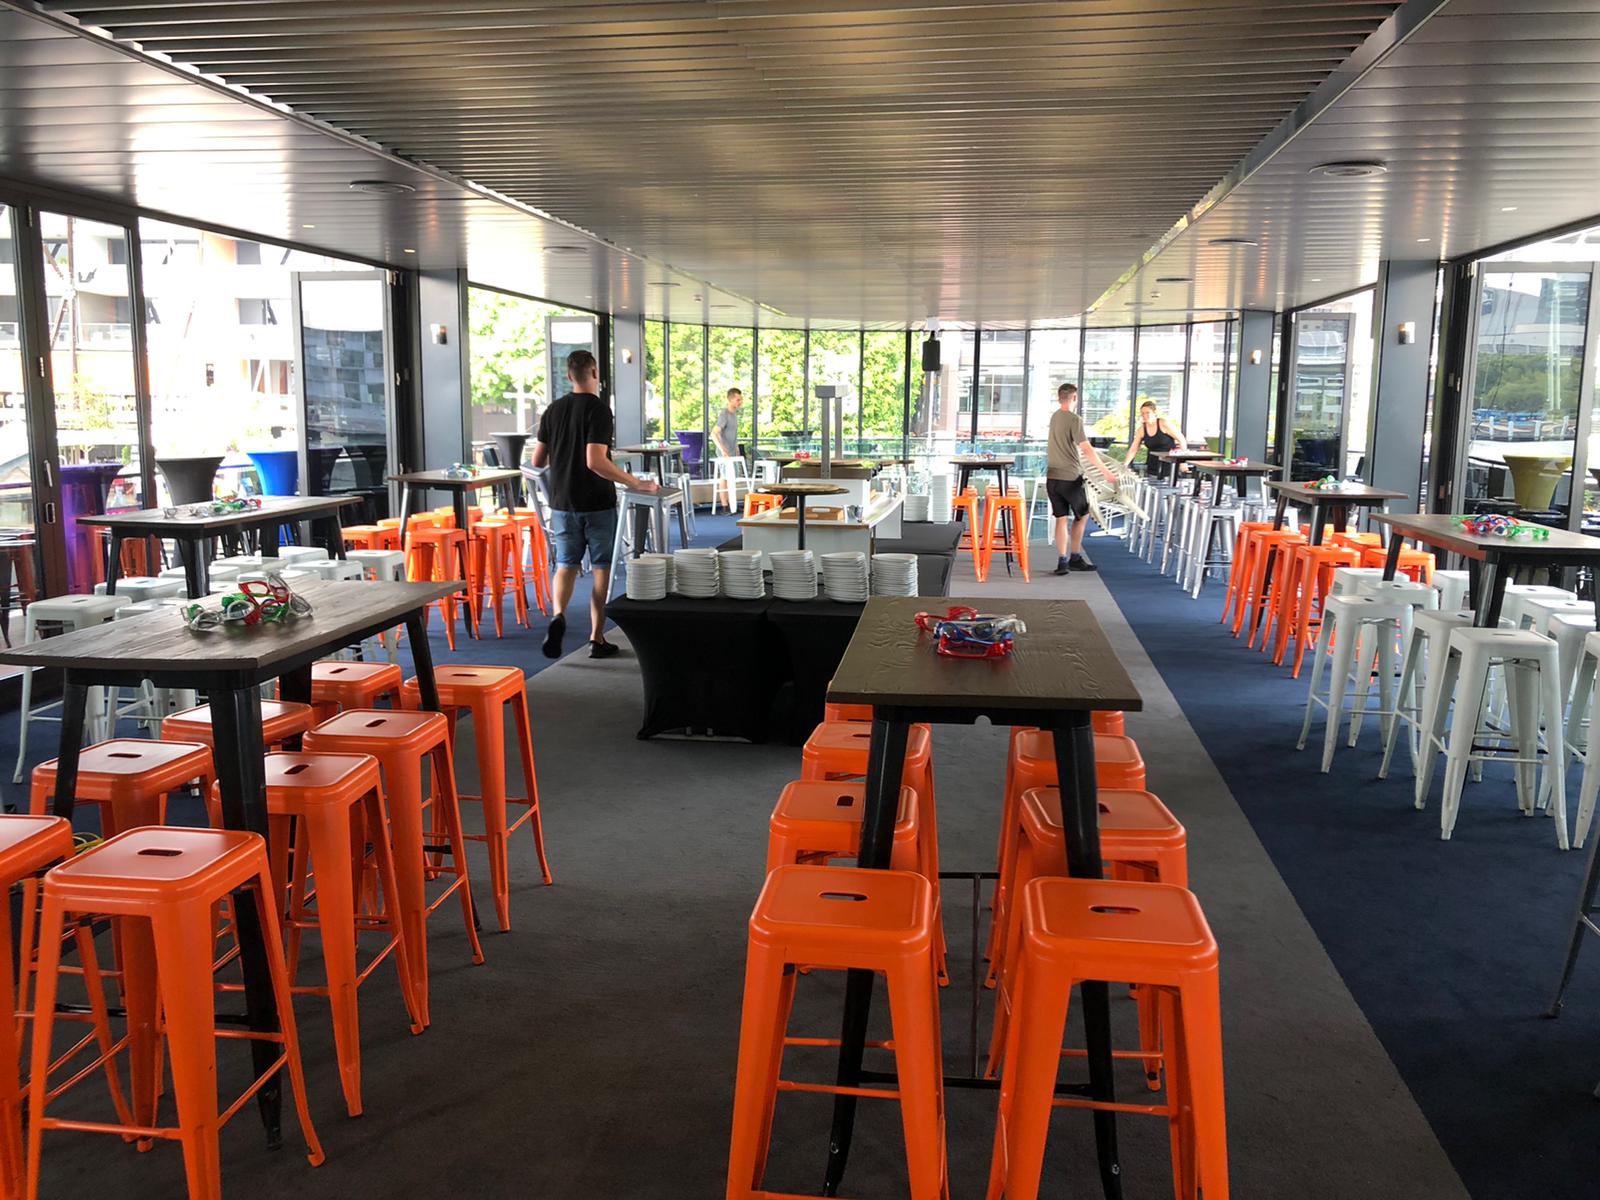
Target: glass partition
{"points": [[686, 389], [1212, 355], [348, 384], [731, 353], [1107, 379], [941, 419], [1330, 389], [655, 380], [883, 393], [836, 363], [518, 358], [782, 392]]}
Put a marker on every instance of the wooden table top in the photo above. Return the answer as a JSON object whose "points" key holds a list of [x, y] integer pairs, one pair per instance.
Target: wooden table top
{"points": [[1184, 455], [1444, 530], [801, 487], [438, 479], [1063, 662], [978, 460], [642, 450], [1219, 467], [161, 644], [1350, 493], [273, 508]]}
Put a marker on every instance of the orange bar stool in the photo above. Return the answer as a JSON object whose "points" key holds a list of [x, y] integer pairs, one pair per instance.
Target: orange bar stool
{"points": [[160, 885], [497, 564], [445, 516], [1139, 838], [760, 502], [817, 821], [1415, 565], [841, 918], [965, 509], [536, 547], [833, 714], [280, 721], [369, 537], [486, 692], [28, 845], [1271, 553], [406, 744], [996, 534], [337, 685], [1311, 571], [1151, 935], [326, 796], [440, 555], [1032, 764], [1357, 541], [1246, 549], [128, 779]]}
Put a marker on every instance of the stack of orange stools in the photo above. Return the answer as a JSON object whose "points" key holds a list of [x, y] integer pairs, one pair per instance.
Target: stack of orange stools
{"points": [[1140, 927], [353, 797]]}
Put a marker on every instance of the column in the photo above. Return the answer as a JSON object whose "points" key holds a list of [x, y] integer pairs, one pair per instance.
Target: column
{"points": [[1404, 301], [627, 378], [1255, 377], [444, 372]]}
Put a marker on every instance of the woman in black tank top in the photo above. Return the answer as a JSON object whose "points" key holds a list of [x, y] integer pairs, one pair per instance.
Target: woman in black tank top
{"points": [[1156, 435]]}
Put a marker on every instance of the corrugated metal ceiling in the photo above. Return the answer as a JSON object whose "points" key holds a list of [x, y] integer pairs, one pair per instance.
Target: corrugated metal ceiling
{"points": [[995, 161]]}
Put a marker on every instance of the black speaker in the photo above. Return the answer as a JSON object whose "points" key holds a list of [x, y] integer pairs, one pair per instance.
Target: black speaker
{"points": [[930, 355]]}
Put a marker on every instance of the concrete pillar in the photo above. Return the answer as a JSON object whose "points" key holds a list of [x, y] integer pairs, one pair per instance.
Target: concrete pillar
{"points": [[1255, 378], [627, 378], [444, 370], [1405, 296]]}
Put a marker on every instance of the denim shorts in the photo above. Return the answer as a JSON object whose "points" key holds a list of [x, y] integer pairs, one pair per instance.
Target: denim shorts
{"points": [[573, 532]]}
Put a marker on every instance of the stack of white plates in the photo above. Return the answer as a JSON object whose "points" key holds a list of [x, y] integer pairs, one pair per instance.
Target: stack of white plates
{"points": [[894, 574], [794, 574], [647, 577], [940, 494], [695, 573], [844, 577], [916, 509], [742, 577], [666, 563]]}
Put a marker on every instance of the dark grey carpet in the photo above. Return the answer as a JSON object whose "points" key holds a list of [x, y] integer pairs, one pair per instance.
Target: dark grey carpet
{"points": [[592, 1055]]}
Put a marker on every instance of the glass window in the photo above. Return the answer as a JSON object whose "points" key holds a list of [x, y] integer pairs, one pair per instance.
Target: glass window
{"points": [[883, 390], [941, 417], [1107, 376], [782, 391], [655, 394], [687, 393], [220, 332], [1210, 359], [347, 380], [1001, 387], [1163, 350], [18, 545], [1330, 393], [732, 351], [1528, 365], [513, 377], [1272, 393], [1052, 361], [836, 363]]}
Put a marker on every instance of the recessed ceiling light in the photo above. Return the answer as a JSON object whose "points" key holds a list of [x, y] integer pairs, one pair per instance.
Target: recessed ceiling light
{"points": [[697, 296], [381, 187], [1424, 239], [1174, 279], [1350, 170], [1509, 208], [407, 250], [308, 227], [1316, 279], [563, 249], [1234, 241]]}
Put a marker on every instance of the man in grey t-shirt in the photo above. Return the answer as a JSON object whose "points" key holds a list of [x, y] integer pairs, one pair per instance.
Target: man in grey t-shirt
{"points": [[1066, 451], [725, 433]]}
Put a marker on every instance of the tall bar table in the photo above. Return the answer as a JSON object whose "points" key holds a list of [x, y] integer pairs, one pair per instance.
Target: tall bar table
{"points": [[230, 667], [1240, 472], [1062, 670], [1172, 461]]}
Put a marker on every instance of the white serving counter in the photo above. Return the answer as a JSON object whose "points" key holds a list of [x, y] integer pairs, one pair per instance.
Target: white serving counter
{"points": [[778, 530]]}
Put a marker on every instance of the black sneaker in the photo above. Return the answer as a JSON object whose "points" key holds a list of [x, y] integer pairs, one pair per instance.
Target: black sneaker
{"points": [[1079, 563], [1061, 567], [552, 637], [602, 649]]}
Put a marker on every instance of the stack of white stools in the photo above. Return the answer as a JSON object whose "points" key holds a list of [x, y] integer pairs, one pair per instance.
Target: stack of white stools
{"points": [[301, 555], [1425, 648], [1213, 529], [334, 568], [380, 564], [1453, 588], [1518, 596], [1533, 694], [144, 587], [65, 613], [1355, 631], [1419, 597]]}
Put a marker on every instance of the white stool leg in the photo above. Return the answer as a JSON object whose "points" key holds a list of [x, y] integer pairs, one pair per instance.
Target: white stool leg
{"points": [[1345, 651], [1437, 695], [1591, 771], [1556, 754], [1522, 708], [1318, 658], [1473, 680], [1410, 656]]}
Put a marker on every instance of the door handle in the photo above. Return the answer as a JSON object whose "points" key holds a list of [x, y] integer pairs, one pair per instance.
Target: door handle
{"points": [[49, 512]]}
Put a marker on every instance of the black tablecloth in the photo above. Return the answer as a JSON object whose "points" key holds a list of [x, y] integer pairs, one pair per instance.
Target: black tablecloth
{"points": [[754, 669]]}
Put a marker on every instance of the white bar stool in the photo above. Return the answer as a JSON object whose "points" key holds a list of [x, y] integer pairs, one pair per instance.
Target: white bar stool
{"points": [[1342, 646], [334, 568], [1421, 598], [729, 472], [1453, 587], [1515, 606], [300, 555], [1213, 531], [1347, 580], [379, 564], [1425, 646], [1579, 723], [67, 613], [145, 587], [1533, 691], [1175, 528]]}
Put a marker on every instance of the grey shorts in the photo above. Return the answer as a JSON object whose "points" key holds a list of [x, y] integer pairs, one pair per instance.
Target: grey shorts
{"points": [[574, 532]]}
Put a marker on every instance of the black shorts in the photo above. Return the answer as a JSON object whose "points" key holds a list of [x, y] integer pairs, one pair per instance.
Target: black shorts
{"points": [[1067, 497]]}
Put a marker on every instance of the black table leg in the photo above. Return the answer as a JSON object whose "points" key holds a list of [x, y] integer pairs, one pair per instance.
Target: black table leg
{"points": [[74, 703], [195, 576], [886, 758], [1582, 923], [114, 563], [1080, 818], [800, 521], [1391, 564], [458, 503], [1491, 593], [295, 687], [422, 658], [1317, 517], [406, 511], [241, 776]]}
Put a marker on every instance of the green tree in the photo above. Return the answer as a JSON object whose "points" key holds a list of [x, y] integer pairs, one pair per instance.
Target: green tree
{"points": [[507, 348]]}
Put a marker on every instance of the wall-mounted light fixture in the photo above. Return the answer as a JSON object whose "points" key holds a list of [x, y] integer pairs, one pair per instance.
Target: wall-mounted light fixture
{"points": [[441, 334], [1407, 333], [627, 354], [1255, 358]]}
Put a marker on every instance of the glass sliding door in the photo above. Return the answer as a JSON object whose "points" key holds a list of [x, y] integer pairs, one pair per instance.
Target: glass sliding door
{"points": [[1001, 388], [1330, 388], [1210, 363], [655, 380], [1054, 358], [1107, 381], [93, 372], [21, 563], [1527, 369], [836, 363], [346, 383], [686, 388]]}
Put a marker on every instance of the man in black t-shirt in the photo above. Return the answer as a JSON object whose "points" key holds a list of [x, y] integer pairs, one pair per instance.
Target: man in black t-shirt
{"points": [[574, 442]]}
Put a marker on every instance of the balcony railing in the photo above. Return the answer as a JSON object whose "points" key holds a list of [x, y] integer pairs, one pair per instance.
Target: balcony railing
{"points": [[96, 334]]}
